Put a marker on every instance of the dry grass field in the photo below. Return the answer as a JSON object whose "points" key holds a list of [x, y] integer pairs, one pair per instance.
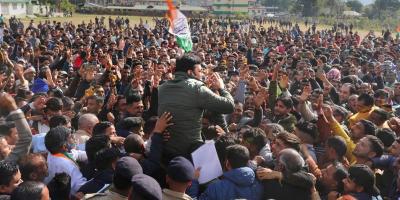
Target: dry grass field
{"points": [[79, 18]]}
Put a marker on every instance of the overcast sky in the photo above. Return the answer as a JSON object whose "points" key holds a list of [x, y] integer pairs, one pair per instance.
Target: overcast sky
{"points": [[366, 1]]}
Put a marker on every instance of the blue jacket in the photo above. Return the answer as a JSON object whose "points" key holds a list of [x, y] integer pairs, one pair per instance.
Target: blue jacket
{"points": [[235, 183]]}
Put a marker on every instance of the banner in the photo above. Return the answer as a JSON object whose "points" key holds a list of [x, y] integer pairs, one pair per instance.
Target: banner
{"points": [[179, 27]]}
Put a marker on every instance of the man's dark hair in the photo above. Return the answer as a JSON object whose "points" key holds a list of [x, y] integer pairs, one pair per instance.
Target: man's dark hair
{"points": [[339, 175], [290, 140], [286, 101], [5, 128], [58, 120], [27, 165], [28, 190], [376, 145], [105, 157], [37, 95], [132, 144], [338, 144], [68, 103], [98, 99], [209, 132], [363, 176], [56, 138], [387, 136], [352, 89], [222, 143], [133, 98], [186, 63], [255, 136], [237, 155], [339, 110], [308, 128], [149, 125], [383, 114], [7, 172], [56, 92], [367, 99], [95, 144], [369, 127], [60, 186], [381, 93], [54, 104], [100, 128]]}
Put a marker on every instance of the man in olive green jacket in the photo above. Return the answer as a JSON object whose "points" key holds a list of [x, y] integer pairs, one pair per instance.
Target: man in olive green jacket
{"points": [[186, 98]]}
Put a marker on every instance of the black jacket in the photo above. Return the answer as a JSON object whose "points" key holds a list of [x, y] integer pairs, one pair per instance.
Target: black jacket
{"points": [[296, 185], [98, 182]]}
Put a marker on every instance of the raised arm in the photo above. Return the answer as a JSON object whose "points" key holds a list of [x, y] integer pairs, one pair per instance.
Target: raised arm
{"points": [[338, 130], [8, 105], [222, 103]]}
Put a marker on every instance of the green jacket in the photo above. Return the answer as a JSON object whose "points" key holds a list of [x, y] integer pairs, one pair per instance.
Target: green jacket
{"points": [[287, 122], [186, 99]]}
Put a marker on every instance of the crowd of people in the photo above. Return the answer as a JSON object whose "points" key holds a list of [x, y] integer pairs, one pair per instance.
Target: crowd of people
{"points": [[96, 111]]}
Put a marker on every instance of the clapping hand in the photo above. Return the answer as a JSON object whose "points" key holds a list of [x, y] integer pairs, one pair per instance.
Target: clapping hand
{"points": [[261, 96], [305, 94], [216, 81], [284, 82], [328, 112]]}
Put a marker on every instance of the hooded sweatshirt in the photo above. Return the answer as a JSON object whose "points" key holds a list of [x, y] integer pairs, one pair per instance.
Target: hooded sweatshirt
{"points": [[239, 183]]}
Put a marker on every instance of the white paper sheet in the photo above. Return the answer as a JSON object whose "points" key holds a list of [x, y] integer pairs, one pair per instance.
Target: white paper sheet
{"points": [[206, 158], [1, 34]]}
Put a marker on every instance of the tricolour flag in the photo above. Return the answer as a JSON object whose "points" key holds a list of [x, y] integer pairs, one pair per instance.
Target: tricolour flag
{"points": [[179, 27], [398, 31]]}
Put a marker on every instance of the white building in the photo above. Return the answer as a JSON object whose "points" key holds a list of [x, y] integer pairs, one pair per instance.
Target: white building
{"points": [[14, 7]]}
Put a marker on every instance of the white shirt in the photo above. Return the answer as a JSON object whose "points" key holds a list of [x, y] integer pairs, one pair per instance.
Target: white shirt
{"points": [[62, 164], [43, 128], [38, 145]]}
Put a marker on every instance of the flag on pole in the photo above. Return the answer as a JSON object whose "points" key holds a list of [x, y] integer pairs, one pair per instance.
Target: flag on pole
{"points": [[179, 27], [398, 31]]}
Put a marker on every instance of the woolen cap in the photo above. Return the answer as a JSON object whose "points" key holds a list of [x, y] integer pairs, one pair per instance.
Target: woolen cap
{"points": [[146, 187], [180, 169]]}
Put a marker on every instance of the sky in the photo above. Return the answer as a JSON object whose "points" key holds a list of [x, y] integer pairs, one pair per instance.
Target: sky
{"points": [[365, 2]]}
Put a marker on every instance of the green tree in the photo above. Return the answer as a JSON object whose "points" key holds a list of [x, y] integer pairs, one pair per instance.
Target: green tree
{"points": [[309, 7], [66, 6], [355, 5], [385, 7], [46, 2], [284, 5]]}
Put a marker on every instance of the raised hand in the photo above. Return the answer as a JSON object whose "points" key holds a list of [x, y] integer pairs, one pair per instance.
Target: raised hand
{"points": [[253, 83], [277, 68], [261, 96], [284, 82], [328, 112], [305, 94], [219, 130], [394, 124], [322, 76], [163, 122], [111, 101], [217, 81], [266, 174], [243, 74]]}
